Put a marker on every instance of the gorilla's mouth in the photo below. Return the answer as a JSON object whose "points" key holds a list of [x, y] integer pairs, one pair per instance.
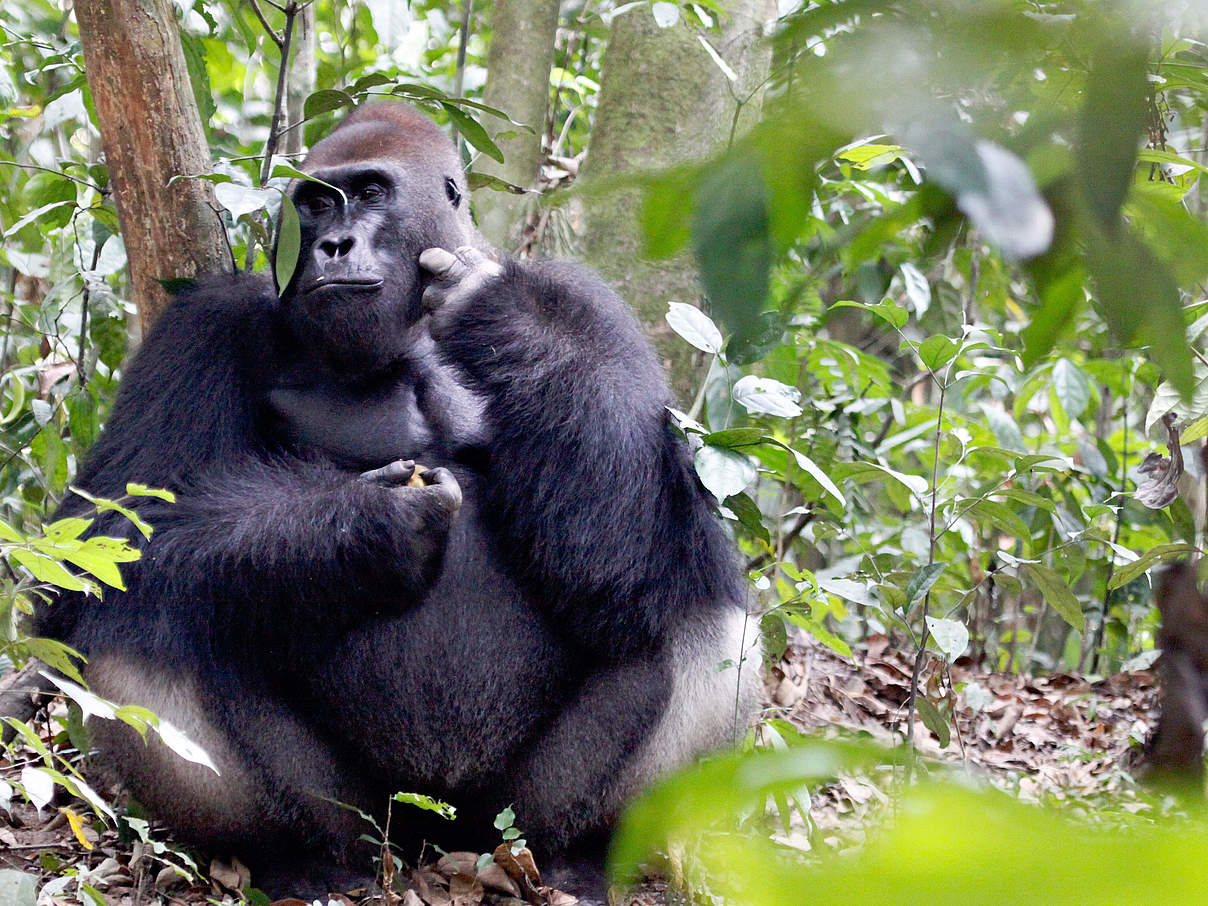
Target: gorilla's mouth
{"points": [[355, 284]]}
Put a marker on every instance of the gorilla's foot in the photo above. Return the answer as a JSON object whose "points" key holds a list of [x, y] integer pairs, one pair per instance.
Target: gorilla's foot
{"points": [[579, 874], [309, 879]]}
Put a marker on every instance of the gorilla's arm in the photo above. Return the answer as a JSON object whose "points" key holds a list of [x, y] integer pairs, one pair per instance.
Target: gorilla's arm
{"points": [[593, 493], [259, 547]]}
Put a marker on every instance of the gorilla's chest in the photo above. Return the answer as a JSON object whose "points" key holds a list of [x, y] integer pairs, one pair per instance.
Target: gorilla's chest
{"points": [[358, 428]]}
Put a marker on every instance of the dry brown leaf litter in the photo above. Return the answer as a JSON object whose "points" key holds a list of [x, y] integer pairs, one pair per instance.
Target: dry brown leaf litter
{"points": [[1056, 736]]}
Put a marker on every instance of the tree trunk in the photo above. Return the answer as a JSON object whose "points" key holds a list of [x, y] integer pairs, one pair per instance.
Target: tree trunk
{"points": [[518, 67], [151, 131], [664, 101], [301, 81]]}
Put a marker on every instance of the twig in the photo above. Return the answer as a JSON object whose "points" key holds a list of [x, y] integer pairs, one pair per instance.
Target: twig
{"points": [[270, 147], [926, 632], [268, 29]]}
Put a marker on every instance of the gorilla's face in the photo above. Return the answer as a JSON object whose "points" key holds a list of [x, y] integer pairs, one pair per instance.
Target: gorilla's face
{"points": [[357, 285]]}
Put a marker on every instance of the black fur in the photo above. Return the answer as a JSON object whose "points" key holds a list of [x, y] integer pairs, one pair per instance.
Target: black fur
{"points": [[325, 634]]}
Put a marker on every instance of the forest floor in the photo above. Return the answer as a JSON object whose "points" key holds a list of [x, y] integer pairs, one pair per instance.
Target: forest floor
{"points": [[1058, 737]]}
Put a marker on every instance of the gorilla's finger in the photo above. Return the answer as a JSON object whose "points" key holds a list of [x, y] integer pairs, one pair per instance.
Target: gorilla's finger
{"points": [[442, 264], [392, 474], [444, 486]]}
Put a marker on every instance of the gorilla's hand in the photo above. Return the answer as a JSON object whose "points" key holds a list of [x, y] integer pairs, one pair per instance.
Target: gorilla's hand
{"points": [[457, 276], [439, 485]]}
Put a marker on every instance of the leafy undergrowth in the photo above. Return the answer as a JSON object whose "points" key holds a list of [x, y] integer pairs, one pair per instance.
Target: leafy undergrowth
{"points": [[1056, 738]]}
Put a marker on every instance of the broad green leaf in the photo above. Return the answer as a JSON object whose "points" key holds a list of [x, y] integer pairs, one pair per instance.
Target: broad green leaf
{"points": [[1072, 387], [240, 200], [723, 472], [506, 818], [1113, 119], [895, 314], [743, 507], [1001, 517], [814, 470], [471, 130], [918, 290], [1160, 554], [933, 720], [735, 438], [694, 326], [950, 635], [325, 100], [920, 583], [765, 395], [45, 569], [1057, 594], [872, 471], [730, 237], [1005, 429], [186, 748], [289, 243], [936, 352]]}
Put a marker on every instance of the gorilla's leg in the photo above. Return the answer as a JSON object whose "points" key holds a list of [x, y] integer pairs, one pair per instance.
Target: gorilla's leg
{"points": [[630, 725], [270, 803]]}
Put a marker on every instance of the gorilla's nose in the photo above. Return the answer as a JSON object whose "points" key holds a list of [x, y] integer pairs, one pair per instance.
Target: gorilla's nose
{"points": [[335, 248]]}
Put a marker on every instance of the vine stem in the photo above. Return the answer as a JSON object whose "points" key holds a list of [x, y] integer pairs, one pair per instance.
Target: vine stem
{"points": [[921, 654]]}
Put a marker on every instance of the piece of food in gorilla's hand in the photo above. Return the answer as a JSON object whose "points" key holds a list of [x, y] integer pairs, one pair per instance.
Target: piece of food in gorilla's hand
{"points": [[516, 628]]}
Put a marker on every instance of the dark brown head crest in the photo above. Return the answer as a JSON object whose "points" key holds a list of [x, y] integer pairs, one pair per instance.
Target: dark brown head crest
{"points": [[383, 130]]}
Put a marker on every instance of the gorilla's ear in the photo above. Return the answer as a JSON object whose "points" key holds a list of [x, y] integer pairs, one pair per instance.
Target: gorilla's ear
{"points": [[452, 192]]}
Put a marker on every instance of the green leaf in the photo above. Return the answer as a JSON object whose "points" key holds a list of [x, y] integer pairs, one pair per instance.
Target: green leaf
{"points": [[1001, 517], [199, 76], [1112, 121], [887, 309], [667, 212], [730, 236], [950, 635], [506, 818], [749, 516], [723, 472], [325, 100], [933, 720], [45, 569], [695, 326], [734, 438], [289, 243], [936, 352], [918, 290], [134, 489], [1072, 387], [428, 804], [920, 583], [471, 130], [1057, 594], [1160, 554]]}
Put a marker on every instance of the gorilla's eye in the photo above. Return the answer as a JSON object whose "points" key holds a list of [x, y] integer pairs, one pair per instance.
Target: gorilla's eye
{"points": [[317, 204], [371, 192], [451, 190]]}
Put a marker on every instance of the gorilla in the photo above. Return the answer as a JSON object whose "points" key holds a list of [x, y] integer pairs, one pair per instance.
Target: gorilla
{"points": [[550, 617]]}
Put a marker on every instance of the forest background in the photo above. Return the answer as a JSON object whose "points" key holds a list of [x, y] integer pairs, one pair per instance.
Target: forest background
{"points": [[928, 278]]}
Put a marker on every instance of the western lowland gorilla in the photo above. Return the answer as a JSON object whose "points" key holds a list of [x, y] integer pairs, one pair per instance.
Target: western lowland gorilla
{"points": [[543, 620]]}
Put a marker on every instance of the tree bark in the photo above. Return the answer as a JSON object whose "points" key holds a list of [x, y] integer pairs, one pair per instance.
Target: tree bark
{"points": [[151, 131], [664, 102], [301, 81], [518, 68]]}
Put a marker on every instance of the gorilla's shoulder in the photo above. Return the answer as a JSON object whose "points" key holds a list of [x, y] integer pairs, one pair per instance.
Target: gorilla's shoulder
{"points": [[242, 294], [233, 310]]}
